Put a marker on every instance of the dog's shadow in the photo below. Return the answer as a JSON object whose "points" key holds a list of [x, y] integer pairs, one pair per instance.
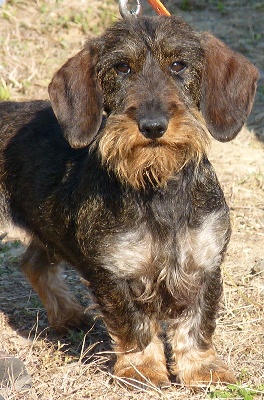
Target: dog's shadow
{"points": [[24, 313]]}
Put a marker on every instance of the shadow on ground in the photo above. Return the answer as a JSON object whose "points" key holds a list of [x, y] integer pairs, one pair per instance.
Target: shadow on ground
{"points": [[25, 314]]}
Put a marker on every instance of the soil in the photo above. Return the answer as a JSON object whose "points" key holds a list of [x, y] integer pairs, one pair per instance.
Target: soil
{"points": [[36, 38]]}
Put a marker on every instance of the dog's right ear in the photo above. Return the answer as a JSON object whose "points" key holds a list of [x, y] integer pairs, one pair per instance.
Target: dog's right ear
{"points": [[77, 100]]}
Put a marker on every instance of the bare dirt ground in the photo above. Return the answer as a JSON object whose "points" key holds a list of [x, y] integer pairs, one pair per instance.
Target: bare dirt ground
{"points": [[36, 37]]}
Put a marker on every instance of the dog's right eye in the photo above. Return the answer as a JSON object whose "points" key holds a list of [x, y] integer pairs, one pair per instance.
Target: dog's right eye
{"points": [[122, 69]]}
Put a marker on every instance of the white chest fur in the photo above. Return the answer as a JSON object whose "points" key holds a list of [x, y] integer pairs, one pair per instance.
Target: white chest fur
{"points": [[134, 253]]}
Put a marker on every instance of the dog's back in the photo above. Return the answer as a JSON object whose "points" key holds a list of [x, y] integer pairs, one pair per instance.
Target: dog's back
{"points": [[30, 137]]}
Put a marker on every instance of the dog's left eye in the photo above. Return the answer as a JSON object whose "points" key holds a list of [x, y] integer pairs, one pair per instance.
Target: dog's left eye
{"points": [[177, 67], [122, 69]]}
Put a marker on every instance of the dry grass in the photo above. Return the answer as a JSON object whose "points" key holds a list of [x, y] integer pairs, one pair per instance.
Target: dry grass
{"points": [[36, 37], [242, 324]]}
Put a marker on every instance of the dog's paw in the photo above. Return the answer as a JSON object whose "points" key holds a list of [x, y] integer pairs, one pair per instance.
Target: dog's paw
{"points": [[204, 374], [145, 368], [73, 319], [142, 377], [200, 378]]}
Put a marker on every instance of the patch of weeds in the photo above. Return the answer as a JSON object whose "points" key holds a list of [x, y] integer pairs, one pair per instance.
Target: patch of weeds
{"points": [[81, 19], [36, 303], [189, 5], [25, 85], [25, 312], [9, 255], [259, 6], [244, 375], [107, 14], [63, 43], [5, 92], [255, 177], [63, 21], [44, 8], [3, 272], [185, 5], [220, 6], [4, 247], [258, 36], [6, 16], [15, 244], [235, 392], [75, 336], [95, 29]]}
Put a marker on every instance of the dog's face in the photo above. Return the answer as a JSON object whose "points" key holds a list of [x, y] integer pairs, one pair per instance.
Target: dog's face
{"points": [[163, 87], [146, 61]]}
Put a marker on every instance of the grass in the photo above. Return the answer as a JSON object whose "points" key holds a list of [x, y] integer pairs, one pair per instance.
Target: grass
{"points": [[5, 92], [36, 37], [235, 392]]}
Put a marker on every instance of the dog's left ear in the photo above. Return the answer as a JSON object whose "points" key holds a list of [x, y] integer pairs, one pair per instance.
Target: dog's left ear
{"points": [[228, 88], [76, 99]]}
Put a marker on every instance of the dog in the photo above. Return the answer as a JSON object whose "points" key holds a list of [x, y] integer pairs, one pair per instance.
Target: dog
{"points": [[112, 177]]}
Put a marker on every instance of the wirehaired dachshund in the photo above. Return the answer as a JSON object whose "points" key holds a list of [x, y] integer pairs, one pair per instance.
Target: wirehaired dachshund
{"points": [[112, 176]]}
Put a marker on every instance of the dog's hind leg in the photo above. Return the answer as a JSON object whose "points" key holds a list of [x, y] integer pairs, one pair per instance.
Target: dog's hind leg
{"points": [[45, 276]]}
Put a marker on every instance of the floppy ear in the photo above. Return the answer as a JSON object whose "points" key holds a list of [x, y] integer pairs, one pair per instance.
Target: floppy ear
{"points": [[76, 99], [228, 88]]}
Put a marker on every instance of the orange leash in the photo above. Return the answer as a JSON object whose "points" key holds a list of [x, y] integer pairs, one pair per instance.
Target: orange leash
{"points": [[159, 7]]}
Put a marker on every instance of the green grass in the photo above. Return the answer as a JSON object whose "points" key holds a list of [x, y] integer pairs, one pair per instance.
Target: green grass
{"points": [[220, 6], [5, 92], [236, 392]]}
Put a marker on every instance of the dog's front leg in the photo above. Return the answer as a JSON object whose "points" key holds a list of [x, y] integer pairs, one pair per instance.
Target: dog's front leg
{"points": [[139, 350], [195, 361]]}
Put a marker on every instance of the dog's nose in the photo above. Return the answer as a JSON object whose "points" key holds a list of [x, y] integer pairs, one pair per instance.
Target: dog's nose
{"points": [[153, 128]]}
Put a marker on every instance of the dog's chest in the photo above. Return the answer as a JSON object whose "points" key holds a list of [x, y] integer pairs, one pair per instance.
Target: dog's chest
{"points": [[138, 253], [128, 253]]}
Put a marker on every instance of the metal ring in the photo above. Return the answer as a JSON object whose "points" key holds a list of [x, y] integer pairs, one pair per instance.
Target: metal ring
{"points": [[125, 12]]}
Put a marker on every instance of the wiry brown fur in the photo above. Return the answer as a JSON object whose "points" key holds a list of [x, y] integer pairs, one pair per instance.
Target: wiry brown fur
{"points": [[139, 161], [112, 176]]}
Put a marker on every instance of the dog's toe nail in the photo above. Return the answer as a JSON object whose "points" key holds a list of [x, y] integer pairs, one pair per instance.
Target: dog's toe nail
{"points": [[165, 384]]}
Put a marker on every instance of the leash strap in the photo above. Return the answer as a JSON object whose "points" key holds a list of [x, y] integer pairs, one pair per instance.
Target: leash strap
{"points": [[159, 7]]}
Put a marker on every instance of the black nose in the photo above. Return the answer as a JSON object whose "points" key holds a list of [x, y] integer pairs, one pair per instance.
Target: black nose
{"points": [[153, 128]]}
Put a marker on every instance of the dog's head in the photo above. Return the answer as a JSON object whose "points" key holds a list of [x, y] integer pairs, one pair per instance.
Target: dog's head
{"points": [[163, 86]]}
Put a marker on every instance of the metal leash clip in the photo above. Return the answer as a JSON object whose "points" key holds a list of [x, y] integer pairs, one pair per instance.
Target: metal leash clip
{"points": [[125, 11]]}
